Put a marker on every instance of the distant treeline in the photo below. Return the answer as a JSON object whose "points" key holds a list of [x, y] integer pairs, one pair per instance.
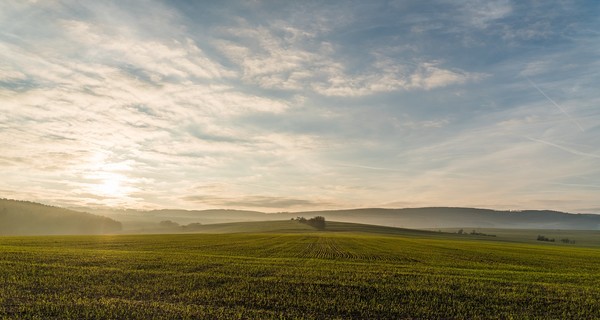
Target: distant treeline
{"points": [[563, 240], [29, 218]]}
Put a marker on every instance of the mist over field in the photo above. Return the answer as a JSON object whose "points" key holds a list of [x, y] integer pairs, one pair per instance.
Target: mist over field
{"points": [[28, 218], [416, 218]]}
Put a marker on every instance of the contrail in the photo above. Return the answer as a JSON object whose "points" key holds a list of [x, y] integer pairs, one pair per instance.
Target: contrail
{"points": [[556, 104], [577, 185], [569, 150]]}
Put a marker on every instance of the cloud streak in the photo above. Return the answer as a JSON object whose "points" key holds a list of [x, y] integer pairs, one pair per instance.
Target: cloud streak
{"points": [[264, 202], [299, 106]]}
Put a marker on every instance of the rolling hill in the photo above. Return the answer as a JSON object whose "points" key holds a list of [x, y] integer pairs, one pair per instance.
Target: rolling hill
{"points": [[29, 218], [445, 217], [413, 218], [289, 226], [18, 217]]}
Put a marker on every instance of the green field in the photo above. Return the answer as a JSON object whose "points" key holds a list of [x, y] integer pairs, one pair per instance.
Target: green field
{"points": [[351, 271], [587, 238]]}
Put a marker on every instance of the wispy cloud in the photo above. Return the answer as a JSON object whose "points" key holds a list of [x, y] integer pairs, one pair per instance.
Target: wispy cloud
{"points": [[264, 202], [296, 106], [284, 57]]}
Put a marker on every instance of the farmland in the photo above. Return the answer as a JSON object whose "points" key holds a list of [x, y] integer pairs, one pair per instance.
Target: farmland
{"points": [[351, 272]]}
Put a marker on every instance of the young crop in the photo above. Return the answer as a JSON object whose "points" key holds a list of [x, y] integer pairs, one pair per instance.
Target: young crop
{"points": [[294, 275]]}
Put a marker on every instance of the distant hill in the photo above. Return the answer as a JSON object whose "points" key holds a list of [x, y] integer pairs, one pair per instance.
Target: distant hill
{"points": [[210, 216], [29, 218], [141, 220], [413, 218], [181, 216], [284, 226], [292, 226], [444, 217]]}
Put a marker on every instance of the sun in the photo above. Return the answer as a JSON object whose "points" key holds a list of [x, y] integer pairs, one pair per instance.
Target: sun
{"points": [[107, 179], [110, 184], [110, 187]]}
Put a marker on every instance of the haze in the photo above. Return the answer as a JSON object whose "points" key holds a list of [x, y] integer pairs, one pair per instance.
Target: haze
{"points": [[275, 106]]}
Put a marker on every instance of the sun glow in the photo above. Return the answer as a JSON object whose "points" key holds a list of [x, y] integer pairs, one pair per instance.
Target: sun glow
{"points": [[108, 179], [111, 186]]}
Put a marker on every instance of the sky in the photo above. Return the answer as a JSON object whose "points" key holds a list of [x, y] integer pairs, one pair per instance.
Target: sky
{"points": [[301, 105]]}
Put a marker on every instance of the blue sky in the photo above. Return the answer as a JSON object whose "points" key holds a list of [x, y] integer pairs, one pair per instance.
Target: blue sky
{"points": [[280, 106]]}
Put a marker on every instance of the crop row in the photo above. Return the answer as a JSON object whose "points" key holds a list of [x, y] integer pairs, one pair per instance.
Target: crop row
{"points": [[320, 275]]}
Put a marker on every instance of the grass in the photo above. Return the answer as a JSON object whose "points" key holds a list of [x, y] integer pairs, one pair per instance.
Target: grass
{"points": [[306, 274]]}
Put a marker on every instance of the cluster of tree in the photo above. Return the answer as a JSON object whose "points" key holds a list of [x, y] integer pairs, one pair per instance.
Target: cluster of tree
{"points": [[475, 233], [563, 240], [542, 238], [316, 222], [172, 225], [168, 224]]}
